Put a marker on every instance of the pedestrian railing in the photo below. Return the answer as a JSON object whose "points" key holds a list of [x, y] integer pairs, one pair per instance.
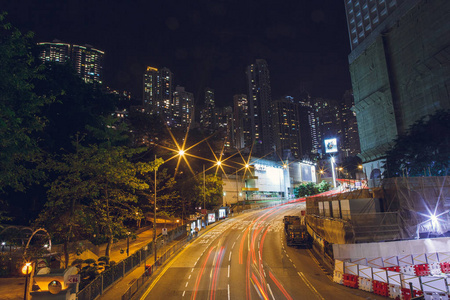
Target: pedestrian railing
{"points": [[151, 269], [107, 278]]}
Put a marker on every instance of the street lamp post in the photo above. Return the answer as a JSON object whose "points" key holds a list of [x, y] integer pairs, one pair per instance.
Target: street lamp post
{"points": [[333, 171], [204, 188]]}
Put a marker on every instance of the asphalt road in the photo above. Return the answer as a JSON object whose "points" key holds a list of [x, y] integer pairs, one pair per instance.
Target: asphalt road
{"points": [[246, 257]]}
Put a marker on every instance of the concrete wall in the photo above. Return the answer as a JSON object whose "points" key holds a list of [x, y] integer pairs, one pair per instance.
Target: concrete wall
{"points": [[386, 249]]}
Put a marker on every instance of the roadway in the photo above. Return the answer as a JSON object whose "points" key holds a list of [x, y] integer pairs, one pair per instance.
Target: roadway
{"points": [[246, 258]]}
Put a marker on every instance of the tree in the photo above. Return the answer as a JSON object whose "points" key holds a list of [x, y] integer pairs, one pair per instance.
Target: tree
{"points": [[211, 191], [96, 187], [20, 109], [323, 187], [423, 150]]}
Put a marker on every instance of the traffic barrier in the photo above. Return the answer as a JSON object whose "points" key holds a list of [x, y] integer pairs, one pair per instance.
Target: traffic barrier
{"points": [[408, 269], [435, 268], [406, 294], [395, 291], [419, 259], [393, 268], [435, 296], [444, 256], [390, 261], [434, 284], [422, 270], [445, 267], [380, 288], [337, 277], [432, 257], [351, 280], [365, 284], [405, 260]]}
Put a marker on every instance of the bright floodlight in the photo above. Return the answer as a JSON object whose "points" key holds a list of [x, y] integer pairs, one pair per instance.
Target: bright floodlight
{"points": [[181, 152], [284, 166], [247, 166], [219, 163]]}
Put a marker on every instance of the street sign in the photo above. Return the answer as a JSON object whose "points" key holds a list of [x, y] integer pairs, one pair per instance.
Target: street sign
{"points": [[72, 279], [164, 231]]}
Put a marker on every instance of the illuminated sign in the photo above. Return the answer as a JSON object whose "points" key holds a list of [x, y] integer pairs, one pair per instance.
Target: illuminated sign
{"points": [[331, 146], [211, 218], [222, 213]]}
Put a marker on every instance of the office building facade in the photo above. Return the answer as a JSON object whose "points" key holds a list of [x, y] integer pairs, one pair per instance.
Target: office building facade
{"points": [[400, 69]]}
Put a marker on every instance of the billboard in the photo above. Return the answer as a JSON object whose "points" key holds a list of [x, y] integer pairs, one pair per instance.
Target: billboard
{"points": [[211, 218], [331, 145]]}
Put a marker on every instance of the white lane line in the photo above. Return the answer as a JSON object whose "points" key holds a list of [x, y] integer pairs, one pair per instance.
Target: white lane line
{"points": [[270, 290], [184, 293], [310, 286], [233, 245], [228, 292], [189, 277], [192, 270], [228, 271], [229, 257], [238, 236], [186, 284], [290, 260], [287, 255]]}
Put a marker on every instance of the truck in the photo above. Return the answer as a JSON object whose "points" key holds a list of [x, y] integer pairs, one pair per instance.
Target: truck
{"points": [[295, 230]]}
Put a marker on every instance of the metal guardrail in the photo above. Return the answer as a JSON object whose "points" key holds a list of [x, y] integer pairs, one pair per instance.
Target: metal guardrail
{"points": [[151, 269], [107, 278]]}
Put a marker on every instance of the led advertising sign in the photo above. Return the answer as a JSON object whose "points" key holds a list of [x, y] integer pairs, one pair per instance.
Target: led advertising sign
{"points": [[331, 146], [211, 218]]}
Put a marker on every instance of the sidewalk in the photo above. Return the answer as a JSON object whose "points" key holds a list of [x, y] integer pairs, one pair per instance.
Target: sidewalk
{"points": [[121, 286]]}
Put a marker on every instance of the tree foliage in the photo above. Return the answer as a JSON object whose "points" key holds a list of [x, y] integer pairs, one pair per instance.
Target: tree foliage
{"points": [[423, 150], [19, 109], [309, 189]]}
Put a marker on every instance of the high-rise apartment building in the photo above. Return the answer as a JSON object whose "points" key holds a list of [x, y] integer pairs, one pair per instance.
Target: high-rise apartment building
{"points": [[328, 121], [242, 122], [400, 69], [287, 128], [183, 107], [158, 91], [87, 61], [208, 117], [260, 106]]}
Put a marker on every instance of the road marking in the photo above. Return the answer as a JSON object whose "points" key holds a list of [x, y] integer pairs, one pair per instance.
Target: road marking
{"points": [[189, 277], [290, 260], [270, 290], [186, 284], [287, 255], [228, 271], [310, 286], [233, 245], [294, 266], [192, 270], [319, 265], [229, 257], [183, 293], [228, 292]]}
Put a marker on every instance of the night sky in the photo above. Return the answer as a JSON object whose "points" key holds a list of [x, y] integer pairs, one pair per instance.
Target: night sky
{"points": [[204, 43]]}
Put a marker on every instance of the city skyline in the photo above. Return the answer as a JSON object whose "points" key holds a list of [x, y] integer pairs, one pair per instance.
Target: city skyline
{"points": [[204, 44]]}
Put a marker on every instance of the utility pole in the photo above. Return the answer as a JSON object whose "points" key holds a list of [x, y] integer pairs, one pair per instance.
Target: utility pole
{"points": [[204, 189]]}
